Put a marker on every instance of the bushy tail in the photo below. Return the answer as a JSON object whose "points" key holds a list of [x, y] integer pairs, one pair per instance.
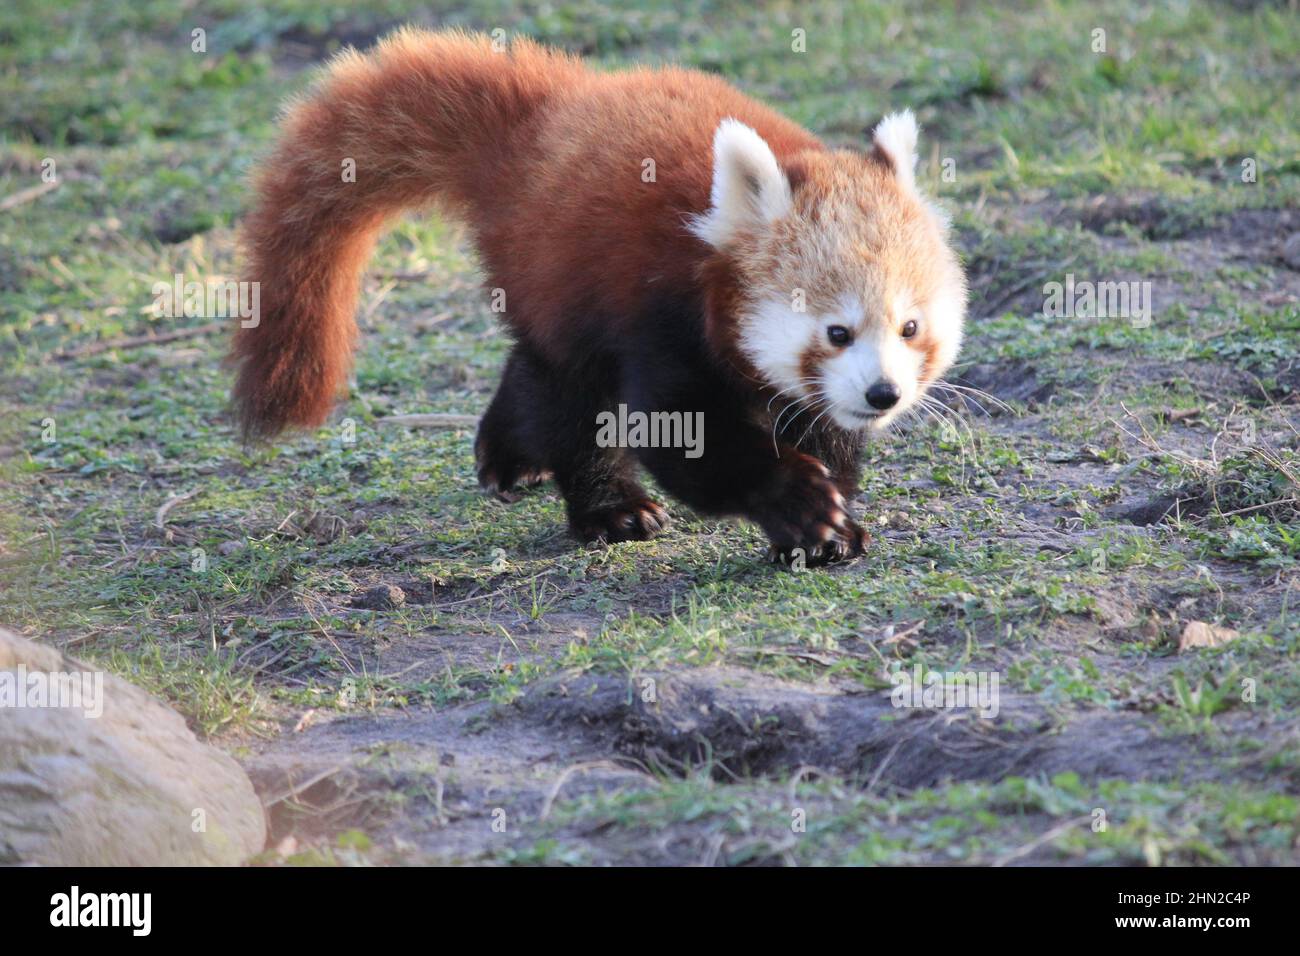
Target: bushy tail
{"points": [[424, 117]]}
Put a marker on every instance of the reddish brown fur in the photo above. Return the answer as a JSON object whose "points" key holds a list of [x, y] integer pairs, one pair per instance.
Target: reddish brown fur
{"points": [[541, 156]]}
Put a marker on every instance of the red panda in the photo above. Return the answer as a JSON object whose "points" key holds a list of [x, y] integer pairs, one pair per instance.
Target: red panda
{"points": [[792, 295]]}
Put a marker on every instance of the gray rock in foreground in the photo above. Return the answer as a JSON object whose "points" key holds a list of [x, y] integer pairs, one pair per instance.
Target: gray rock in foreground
{"points": [[129, 787]]}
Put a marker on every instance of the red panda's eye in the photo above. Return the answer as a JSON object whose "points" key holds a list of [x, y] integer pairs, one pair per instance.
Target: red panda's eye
{"points": [[839, 335], [909, 328]]}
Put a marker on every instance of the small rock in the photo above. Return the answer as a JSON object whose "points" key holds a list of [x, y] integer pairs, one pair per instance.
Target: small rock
{"points": [[383, 597], [304, 721], [1291, 251], [325, 527], [1200, 634]]}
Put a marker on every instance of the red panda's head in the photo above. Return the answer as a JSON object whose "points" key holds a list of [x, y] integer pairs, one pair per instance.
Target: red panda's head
{"points": [[843, 288]]}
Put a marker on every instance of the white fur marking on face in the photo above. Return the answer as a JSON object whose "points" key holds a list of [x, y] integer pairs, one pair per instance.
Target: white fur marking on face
{"points": [[774, 337], [903, 309], [947, 316], [895, 136], [749, 189]]}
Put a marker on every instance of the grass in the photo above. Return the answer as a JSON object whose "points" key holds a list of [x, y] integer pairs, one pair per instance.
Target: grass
{"points": [[833, 822], [1011, 537]]}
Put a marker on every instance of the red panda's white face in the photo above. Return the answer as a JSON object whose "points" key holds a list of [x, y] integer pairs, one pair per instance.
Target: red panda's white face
{"points": [[850, 300]]}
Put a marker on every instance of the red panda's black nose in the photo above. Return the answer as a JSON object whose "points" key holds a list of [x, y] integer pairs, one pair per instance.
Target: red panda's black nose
{"points": [[882, 395]]}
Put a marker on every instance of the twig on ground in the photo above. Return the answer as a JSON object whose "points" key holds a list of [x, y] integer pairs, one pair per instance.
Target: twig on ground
{"points": [[796, 653], [139, 341], [434, 420], [569, 772], [23, 196], [292, 790], [880, 768], [1045, 838], [160, 517]]}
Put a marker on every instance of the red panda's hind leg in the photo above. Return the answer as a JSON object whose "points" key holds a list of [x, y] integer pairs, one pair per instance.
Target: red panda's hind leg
{"points": [[505, 451], [542, 423], [604, 500]]}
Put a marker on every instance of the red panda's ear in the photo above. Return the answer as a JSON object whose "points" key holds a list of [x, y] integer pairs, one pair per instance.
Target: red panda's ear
{"points": [[894, 144], [749, 188]]}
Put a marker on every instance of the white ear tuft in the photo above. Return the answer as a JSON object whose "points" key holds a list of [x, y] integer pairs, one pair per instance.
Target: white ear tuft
{"points": [[749, 188], [895, 140]]}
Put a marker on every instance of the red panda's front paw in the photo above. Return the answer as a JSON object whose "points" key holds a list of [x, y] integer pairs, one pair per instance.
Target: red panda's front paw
{"points": [[637, 519], [846, 542], [809, 523]]}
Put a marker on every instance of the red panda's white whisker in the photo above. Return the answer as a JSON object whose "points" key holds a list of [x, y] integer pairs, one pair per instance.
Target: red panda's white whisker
{"points": [[802, 383], [810, 401], [829, 407], [812, 398], [946, 417], [974, 401], [810, 404], [967, 389]]}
